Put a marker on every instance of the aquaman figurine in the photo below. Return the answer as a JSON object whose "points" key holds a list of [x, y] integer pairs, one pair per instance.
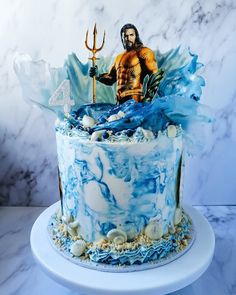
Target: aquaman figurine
{"points": [[130, 67]]}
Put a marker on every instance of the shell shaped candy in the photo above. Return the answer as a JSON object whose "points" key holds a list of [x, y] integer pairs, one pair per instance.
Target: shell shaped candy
{"points": [[88, 122], [96, 134], [154, 230], [113, 118], [178, 216], [74, 224], [78, 248], [171, 131], [66, 218], [148, 134], [72, 231], [131, 234], [59, 214], [121, 114], [117, 236]]}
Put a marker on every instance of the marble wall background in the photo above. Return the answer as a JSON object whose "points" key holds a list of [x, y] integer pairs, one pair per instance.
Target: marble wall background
{"points": [[50, 29]]}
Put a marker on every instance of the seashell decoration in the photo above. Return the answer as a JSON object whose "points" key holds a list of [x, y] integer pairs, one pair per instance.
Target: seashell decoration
{"points": [[96, 135], [113, 117], [178, 216], [121, 114], [131, 234], [154, 230], [88, 122], [117, 236], [171, 230], [74, 224], [72, 231], [66, 218], [78, 248], [171, 131], [148, 134], [71, 225], [59, 214]]}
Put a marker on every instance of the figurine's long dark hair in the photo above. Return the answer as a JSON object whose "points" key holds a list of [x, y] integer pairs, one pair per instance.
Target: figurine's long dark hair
{"points": [[138, 41]]}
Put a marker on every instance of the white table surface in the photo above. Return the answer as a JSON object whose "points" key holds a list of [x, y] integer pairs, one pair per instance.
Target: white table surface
{"points": [[19, 273]]}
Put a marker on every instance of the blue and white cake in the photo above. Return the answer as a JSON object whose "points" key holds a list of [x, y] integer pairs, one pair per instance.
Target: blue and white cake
{"points": [[120, 166], [120, 190]]}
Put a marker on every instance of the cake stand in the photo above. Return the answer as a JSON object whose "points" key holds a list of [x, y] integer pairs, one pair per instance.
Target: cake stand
{"points": [[161, 280]]}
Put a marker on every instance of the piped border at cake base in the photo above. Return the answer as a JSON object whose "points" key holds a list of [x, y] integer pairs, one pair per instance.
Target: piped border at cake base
{"points": [[136, 258]]}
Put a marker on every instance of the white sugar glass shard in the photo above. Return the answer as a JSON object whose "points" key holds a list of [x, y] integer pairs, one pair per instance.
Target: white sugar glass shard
{"points": [[61, 97]]}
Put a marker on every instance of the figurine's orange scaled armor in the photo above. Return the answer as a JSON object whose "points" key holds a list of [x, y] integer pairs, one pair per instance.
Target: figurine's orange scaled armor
{"points": [[129, 70]]}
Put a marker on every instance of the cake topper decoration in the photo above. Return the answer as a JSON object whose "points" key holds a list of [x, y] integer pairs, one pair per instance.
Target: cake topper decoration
{"points": [[61, 97], [94, 50], [132, 69], [153, 89]]}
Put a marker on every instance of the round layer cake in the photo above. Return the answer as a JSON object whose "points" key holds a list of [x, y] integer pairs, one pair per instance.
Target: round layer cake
{"points": [[120, 196]]}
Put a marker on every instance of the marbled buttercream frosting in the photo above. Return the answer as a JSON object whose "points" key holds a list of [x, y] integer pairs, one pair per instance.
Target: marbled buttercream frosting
{"points": [[120, 177]]}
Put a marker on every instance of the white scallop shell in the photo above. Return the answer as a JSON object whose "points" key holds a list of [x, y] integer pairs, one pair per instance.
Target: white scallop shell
{"points": [[117, 236], [154, 230], [78, 248], [88, 122], [171, 131], [178, 216], [113, 117], [96, 134]]}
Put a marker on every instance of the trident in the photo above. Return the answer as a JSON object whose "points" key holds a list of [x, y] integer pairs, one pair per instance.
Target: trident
{"points": [[94, 50]]}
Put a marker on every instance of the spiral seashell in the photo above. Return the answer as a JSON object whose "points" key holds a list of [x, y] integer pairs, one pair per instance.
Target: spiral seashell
{"points": [[171, 131], [117, 236], [178, 216], [78, 248], [88, 122], [154, 230]]}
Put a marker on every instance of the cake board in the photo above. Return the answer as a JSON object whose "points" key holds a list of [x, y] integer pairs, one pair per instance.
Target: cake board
{"points": [[161, 280]]}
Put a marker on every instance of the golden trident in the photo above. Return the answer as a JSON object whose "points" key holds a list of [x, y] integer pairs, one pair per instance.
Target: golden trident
{"points": [[94, 50]]}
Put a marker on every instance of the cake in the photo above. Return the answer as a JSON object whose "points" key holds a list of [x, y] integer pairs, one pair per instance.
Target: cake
{"points": [[121, 199], [121, 164]]}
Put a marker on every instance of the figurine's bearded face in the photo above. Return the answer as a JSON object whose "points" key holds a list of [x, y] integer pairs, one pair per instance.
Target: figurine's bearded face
{"points": [[128, 39]]}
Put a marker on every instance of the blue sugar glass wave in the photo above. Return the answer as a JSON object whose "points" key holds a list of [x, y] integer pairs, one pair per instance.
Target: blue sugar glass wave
{"points": [[179, 90]]}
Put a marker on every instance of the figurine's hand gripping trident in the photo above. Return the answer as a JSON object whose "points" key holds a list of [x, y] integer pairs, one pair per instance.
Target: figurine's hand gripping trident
{"points": [[94, 50]]}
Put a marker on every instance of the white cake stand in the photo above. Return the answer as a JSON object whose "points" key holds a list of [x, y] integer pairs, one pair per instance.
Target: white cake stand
{"points": [[161, 280]]}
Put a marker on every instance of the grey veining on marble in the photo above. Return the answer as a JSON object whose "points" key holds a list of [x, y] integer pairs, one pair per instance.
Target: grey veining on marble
{"points": [[51, 29], [19, 274]]}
